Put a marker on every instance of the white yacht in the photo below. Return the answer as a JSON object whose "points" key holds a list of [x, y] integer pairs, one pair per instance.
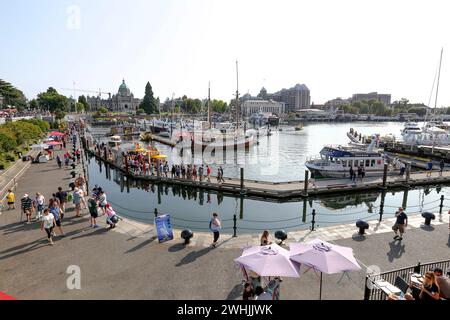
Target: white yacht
{"points": [[335, 161], [411, 128]]}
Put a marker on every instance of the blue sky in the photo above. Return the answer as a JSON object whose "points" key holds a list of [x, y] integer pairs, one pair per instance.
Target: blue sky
{"points": [[335, 47]]}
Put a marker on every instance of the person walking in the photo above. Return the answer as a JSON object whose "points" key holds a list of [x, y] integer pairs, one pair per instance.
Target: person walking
{"points": [[429, 168], [221, 174], [10, 198], [48, 222], [56, 212], [400, 224], [360, 173], [441, 167], [59, 161], [62, 197], [351, 173], [77, 202], [208, 173], [40, 202], [27, 207], [215, 225]]}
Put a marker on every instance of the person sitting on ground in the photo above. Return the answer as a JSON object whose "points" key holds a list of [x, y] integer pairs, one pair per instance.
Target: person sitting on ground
{"points": [[111, 217], [249, 293], [265, 238], [429, 289], [443, 283]]}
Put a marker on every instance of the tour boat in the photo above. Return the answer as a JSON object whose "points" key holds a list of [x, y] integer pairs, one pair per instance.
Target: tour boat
{"points": [[335, 161]]}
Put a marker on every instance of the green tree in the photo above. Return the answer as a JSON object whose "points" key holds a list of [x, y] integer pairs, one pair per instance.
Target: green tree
{"points": [[12, 96], [219, 106], [80, 107], [149, 102], [51, 100], [82, 99], [34, 104], [102, 110], [59, 115]]}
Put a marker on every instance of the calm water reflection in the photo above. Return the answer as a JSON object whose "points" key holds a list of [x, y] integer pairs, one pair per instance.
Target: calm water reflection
{"points": [[192, 208]]}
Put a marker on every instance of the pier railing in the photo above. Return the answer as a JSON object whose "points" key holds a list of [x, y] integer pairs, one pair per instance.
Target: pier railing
{"points": [[373, 292]]}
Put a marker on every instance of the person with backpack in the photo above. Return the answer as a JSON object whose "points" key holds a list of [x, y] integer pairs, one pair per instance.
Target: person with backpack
{"points": [[93, 211], [61, 195]]}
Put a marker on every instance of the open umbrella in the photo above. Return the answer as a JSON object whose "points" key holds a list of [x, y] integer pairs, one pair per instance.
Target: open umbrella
{"points": [[269, 261], [324, 257], [55, 134], [53, 143], [39, 146]]}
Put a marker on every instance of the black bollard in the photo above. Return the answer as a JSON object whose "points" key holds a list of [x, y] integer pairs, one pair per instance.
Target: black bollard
{"points": [[234, 226], [442, 204], [313, 222], [156, 212]]}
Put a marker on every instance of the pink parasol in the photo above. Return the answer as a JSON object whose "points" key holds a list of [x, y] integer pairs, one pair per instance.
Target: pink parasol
{"points": [[324, 257], [55, 134], [269, 261], [53, 143]]}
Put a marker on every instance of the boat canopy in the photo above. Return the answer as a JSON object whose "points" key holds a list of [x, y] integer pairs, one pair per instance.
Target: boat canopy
{"points": [[338, 153]]}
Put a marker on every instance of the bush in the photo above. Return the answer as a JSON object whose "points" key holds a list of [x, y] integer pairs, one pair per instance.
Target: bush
{"points": [[3, 165], [10, 157]]}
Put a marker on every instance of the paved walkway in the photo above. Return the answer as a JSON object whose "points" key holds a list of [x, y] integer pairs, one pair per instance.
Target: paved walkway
{"points": [[127, 263]]}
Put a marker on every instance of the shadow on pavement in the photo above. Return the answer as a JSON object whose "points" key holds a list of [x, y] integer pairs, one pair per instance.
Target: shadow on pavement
{"points": [[83, 232], [23, 248], [194, 255], [177, 247], [426, 228], [235, 293], [140, 246], [396, 250], [358, 237]]}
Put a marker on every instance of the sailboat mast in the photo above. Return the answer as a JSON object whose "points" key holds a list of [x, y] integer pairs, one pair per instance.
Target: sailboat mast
{"points": [[237, 96], [439, 76], [209, 104]]}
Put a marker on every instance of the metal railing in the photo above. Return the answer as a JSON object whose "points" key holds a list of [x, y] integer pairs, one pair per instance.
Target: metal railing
{"points": [[372, 292]]}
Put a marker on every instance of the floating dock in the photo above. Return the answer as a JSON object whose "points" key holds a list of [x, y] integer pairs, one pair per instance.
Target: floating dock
{"points": [[294, 189]]}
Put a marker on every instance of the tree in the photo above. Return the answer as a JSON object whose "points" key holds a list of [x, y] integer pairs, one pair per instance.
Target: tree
{"points": [[51, 101], [59, 115], [218, 106], [12, 96], [34, 104], [80, 107], [82, 99], [102, 110], [149, 102]]}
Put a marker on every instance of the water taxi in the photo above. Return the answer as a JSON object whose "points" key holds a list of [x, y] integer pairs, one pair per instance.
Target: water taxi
{"points": [[336, 161]]}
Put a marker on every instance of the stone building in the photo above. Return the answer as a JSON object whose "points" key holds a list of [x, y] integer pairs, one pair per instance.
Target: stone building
{"points": [[123, 101]]}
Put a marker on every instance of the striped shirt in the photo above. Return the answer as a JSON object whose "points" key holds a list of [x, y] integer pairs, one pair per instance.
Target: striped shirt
{"points": [[26, 203]]}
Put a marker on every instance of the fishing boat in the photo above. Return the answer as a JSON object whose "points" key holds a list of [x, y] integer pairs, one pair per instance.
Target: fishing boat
{"points": [[336, 161]]}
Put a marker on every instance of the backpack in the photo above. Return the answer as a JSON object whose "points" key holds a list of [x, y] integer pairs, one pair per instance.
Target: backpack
{"points": [[69, 197]]}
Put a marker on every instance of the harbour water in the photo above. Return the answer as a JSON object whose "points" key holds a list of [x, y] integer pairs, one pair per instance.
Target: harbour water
{"points": [[192, 208]]}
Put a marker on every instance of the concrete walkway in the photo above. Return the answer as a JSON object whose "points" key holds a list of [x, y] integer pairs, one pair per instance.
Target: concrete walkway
{"points": [[127, 263]]}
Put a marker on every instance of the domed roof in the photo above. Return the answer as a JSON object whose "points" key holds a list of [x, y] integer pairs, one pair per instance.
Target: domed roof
{"points": [[123, 89]]}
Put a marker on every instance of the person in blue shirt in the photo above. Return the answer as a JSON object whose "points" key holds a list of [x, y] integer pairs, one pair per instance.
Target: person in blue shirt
{"points": [[55, 210]]}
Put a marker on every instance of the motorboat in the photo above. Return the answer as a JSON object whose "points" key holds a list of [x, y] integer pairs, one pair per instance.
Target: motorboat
{"points": [[336, 161], [411, 128]]}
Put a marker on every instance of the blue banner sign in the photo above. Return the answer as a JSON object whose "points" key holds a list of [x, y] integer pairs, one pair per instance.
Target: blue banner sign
{"points": [[164, 228]]}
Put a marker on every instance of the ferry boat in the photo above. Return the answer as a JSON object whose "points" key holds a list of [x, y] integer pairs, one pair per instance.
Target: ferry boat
{"points": [[335, 161]]}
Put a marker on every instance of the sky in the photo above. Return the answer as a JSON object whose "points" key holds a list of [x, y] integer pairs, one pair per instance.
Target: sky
{"points": [[336, 48]]}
